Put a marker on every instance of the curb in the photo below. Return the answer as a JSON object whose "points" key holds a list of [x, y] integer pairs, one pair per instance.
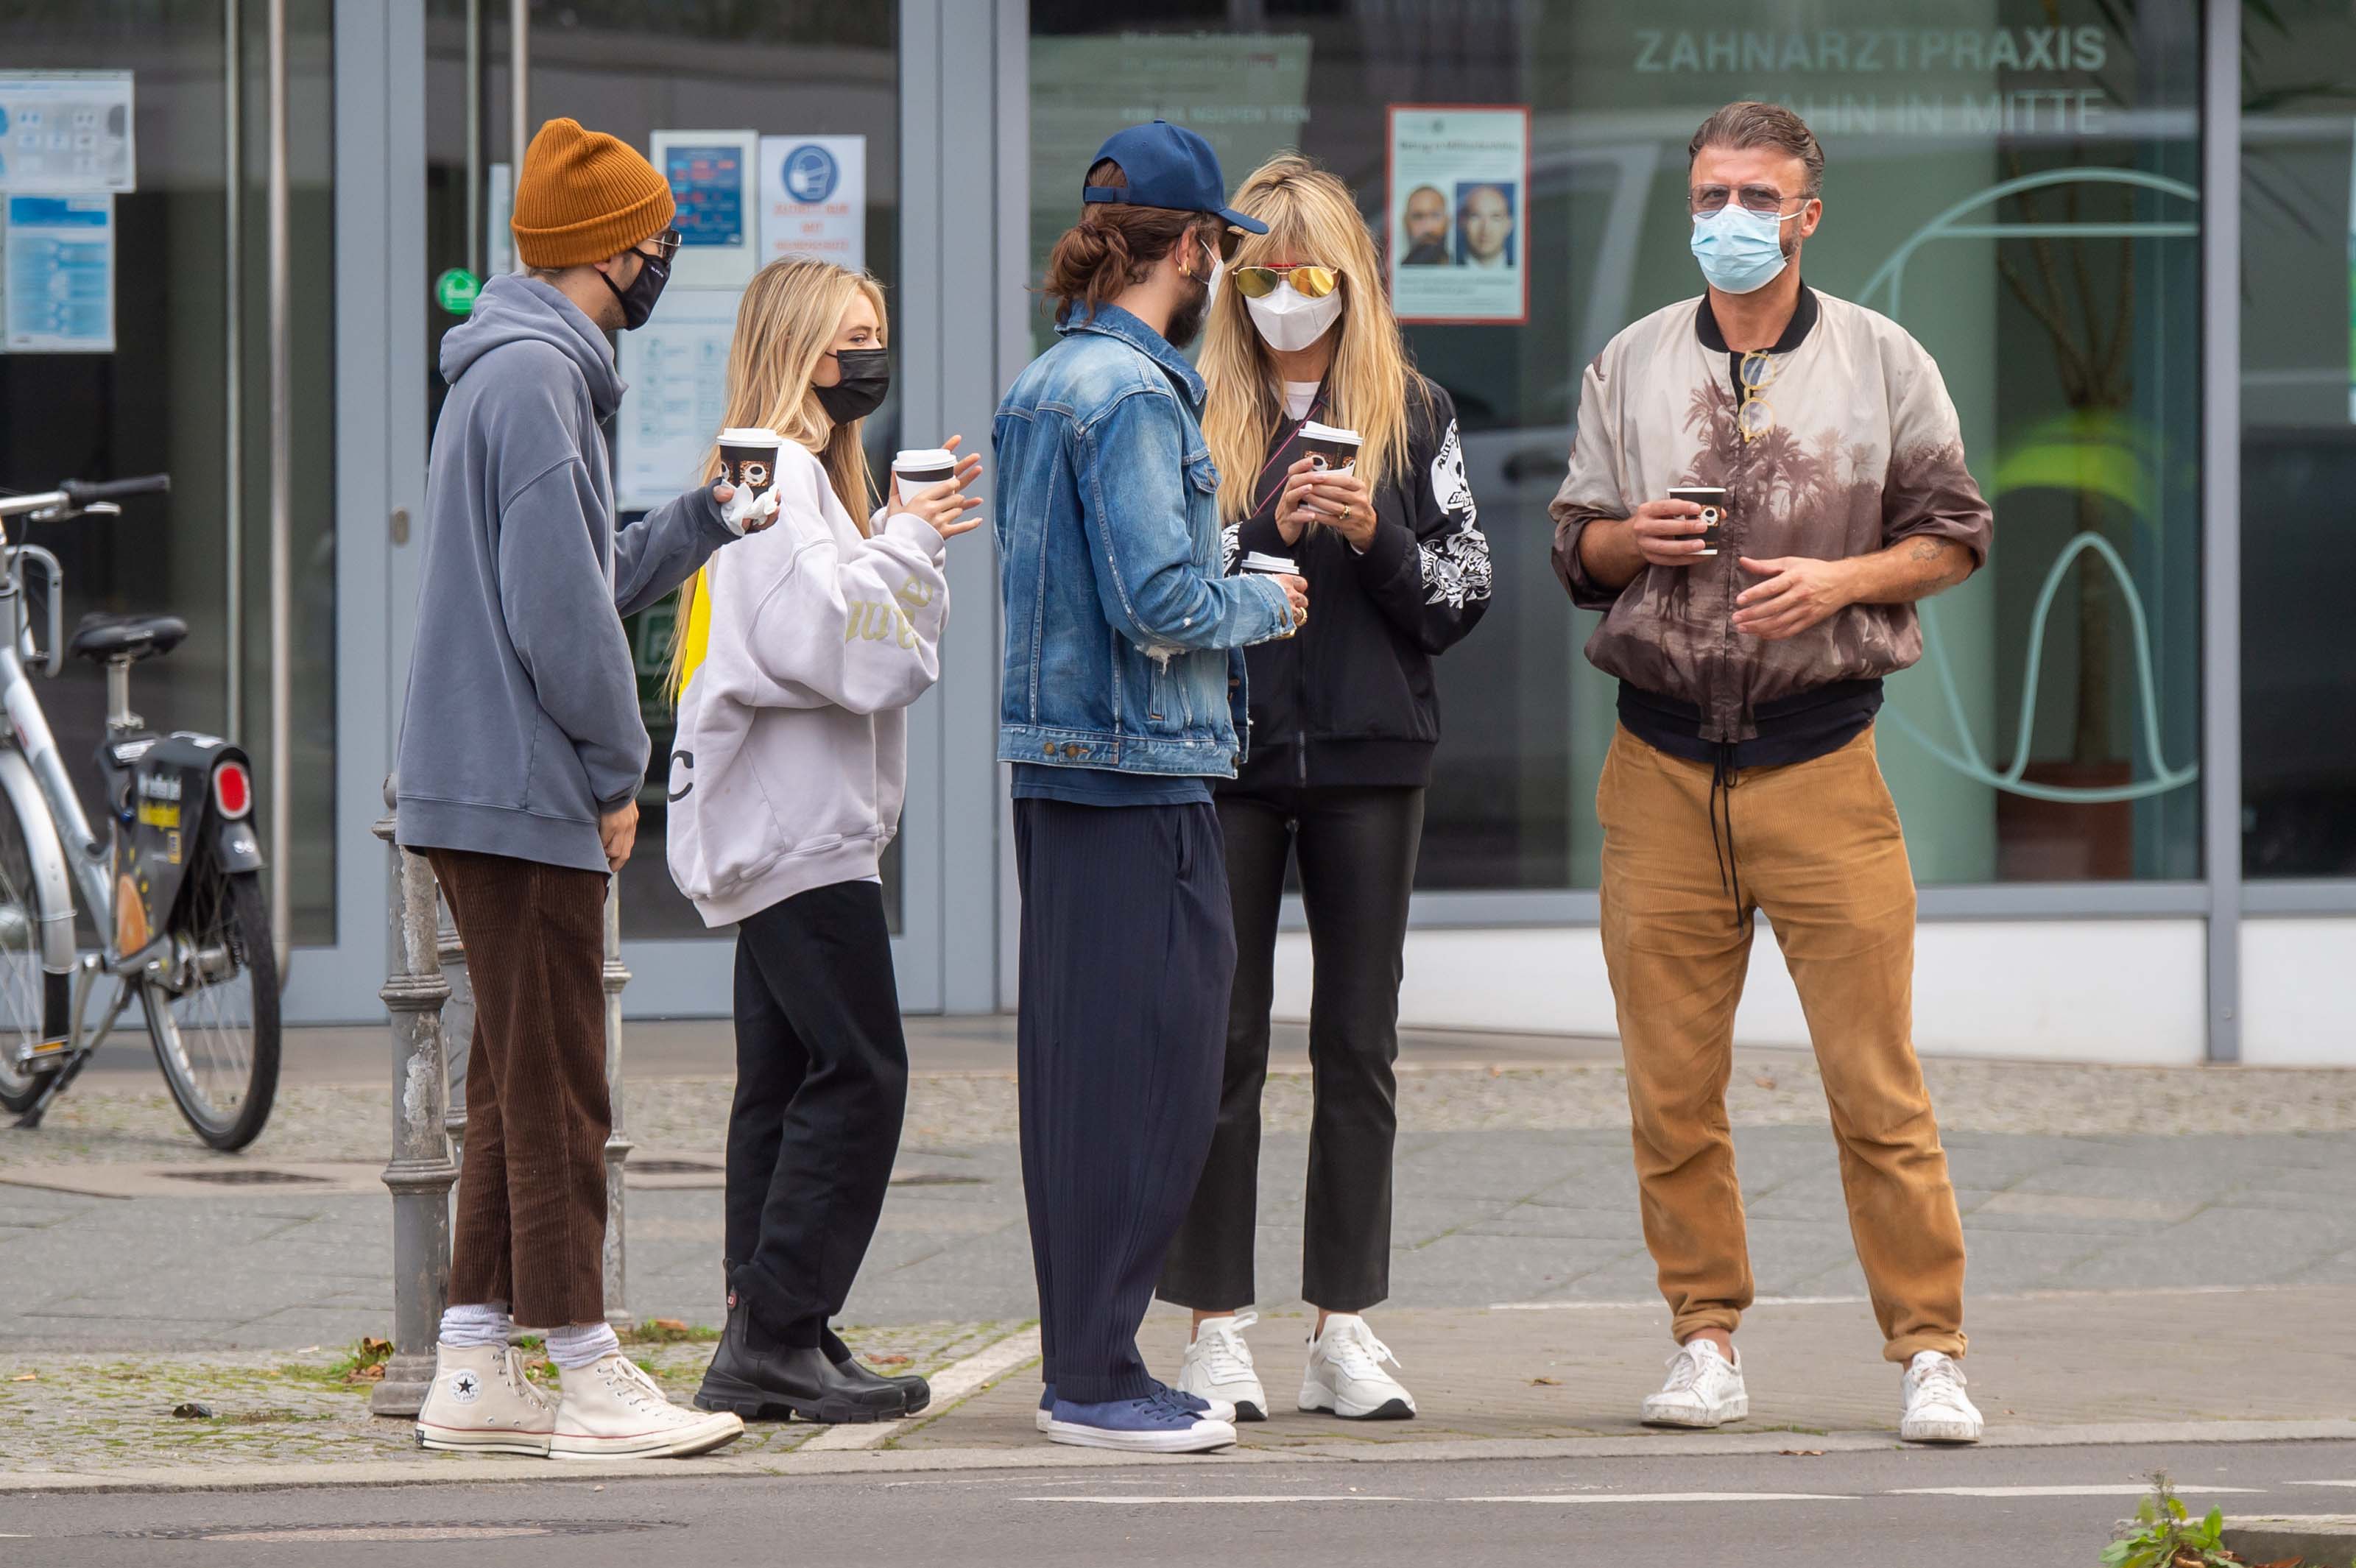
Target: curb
{"points": [[463, 1470], [2322, 1539]]}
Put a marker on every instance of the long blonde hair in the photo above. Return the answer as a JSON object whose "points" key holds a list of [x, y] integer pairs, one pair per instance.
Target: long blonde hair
{"points": [[785, 322], [1311, 217]]}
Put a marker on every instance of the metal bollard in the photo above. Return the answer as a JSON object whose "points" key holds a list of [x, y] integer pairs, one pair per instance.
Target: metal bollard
{"points": [[422, 1171], [457, 1028], [617, 1145]]}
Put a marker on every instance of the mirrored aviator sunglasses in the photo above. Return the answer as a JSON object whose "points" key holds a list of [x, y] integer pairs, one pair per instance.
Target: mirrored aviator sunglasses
{"points": [[1309, 282]]}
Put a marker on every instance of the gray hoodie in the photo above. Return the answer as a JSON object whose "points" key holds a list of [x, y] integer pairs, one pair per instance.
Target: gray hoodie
{"points": [[521, 722]]}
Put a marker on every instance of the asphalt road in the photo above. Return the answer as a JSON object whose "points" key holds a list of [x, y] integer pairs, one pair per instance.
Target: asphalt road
{"points": [[2023, 1508]]}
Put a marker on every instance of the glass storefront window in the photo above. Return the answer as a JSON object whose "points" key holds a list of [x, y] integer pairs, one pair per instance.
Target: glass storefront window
{"points": [[631, 69], [2298, 438], [2015, 183], [158, 399]]}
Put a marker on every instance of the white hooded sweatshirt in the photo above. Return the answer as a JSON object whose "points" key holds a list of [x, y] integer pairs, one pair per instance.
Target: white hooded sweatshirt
{"points": [[806, 645]]}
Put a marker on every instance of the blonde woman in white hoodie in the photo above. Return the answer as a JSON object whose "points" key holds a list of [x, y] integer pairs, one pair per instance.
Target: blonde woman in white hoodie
{"points": [[798, 654]]}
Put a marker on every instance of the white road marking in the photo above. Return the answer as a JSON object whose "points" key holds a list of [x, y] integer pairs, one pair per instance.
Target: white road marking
{"points": [[1233, 1498], [953, 1384], [2108, 1490], [1668, 1497], [2349, 1484]]}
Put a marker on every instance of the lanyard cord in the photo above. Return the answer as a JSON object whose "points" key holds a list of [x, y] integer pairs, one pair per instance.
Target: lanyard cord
{"points": [[1316, 407]]}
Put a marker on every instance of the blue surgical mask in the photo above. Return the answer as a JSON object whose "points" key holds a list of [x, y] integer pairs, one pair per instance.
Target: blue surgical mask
{"points": [[1739, 250]]}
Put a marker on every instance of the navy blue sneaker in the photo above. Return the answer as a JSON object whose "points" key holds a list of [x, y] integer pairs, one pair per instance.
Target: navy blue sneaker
{"points": [[1193, 1404], [1149, 1425]]}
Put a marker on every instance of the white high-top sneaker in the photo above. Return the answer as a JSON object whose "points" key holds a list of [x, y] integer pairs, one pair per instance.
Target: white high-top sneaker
{"points": [[1218, 1368], [1937, 1409], [611, 1409], [1345, 1373], [480, 1403], [1704, 1389]]}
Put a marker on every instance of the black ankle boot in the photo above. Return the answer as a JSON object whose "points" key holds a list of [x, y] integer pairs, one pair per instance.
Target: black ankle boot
{"points": [[914, 1392], [770, 1382]]}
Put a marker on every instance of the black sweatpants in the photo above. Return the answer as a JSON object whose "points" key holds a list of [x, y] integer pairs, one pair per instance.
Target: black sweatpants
{"points": [[1127, 952], [1357, 850], [821, 1085]]}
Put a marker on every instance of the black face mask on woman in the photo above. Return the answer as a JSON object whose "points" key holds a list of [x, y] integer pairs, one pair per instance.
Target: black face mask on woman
{"points": [[639, 299], [866, 381]]}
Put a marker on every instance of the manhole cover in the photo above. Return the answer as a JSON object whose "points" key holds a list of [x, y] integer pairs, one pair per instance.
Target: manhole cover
{"points": [[323, 1534], [243, 1177], [676, 1168]]}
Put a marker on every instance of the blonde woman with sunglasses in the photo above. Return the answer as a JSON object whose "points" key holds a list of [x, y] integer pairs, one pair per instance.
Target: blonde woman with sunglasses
{"points": [[1345, 719]]}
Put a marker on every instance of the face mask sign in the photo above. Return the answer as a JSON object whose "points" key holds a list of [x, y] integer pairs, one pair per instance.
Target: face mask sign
{"points": [[866, 382], [1739, 250]]}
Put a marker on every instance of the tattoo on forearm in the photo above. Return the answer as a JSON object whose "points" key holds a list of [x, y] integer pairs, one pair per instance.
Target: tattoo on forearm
{"points": [[1940, 567]]}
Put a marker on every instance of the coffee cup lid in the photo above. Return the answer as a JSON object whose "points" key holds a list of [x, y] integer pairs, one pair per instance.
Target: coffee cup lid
{"points": [[1281, 565], [1313, 430], [921, 459], [749, 436]]}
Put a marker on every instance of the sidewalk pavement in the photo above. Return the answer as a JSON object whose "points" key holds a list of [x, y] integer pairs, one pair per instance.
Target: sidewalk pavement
{"points": [[2129, 1274]]}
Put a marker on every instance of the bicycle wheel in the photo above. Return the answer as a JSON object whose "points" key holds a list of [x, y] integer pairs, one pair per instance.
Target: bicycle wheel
{"points": [[216, 1024], [21, 983]]}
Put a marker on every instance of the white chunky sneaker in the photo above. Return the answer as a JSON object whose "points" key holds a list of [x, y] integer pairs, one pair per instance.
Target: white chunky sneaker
{"points": [[1704, 1389], [1345, 1374], [480, 1403], [1218, 1368], [1937, 1409], [611, 1409]]}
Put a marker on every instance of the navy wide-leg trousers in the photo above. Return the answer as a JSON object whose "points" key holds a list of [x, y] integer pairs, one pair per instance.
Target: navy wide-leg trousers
{"points": [[1128, 952]]}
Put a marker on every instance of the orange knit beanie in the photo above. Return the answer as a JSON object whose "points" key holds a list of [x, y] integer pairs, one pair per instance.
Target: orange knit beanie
{"points": [[585, 196]]}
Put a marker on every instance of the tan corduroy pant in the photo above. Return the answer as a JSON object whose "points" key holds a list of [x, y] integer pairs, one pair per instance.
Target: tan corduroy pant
{"points": [[1819, 850]]}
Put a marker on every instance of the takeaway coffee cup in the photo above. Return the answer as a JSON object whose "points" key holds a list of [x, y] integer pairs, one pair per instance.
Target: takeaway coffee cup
{"points": [[1260, 563], [920, 469], [1330, 447], [1711, 499], [748, 460]]}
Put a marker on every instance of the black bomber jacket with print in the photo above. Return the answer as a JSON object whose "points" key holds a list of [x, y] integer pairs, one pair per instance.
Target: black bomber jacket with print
{"points": [[1351, 700]]}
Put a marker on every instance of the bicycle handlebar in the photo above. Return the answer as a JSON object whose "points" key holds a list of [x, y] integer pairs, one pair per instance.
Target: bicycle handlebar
{"points": [[83, 492]]}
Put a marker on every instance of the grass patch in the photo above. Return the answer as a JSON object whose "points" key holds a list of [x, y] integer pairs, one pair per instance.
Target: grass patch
{"points": [[668, 1331]]}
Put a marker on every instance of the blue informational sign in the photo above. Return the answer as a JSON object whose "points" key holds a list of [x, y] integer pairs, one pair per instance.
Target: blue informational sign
{"points": [[59, 287], [809, 173], [707, 184]]}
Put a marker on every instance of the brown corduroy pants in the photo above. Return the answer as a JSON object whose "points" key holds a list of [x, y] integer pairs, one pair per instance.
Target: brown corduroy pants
{"points": [[1818, 850], [530, 1226]]}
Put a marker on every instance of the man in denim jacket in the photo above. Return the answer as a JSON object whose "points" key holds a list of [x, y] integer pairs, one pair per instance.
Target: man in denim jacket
{"points": [[1124, 696]]}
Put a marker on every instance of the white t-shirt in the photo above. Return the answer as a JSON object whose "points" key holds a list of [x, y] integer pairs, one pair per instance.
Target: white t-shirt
{"points": [[1298, 396]]}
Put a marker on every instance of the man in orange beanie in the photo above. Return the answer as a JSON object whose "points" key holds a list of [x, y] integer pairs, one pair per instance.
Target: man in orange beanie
{"points": [[521, 757]]}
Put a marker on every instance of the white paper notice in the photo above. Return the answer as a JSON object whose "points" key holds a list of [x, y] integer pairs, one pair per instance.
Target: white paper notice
{"points": [[676, 367], [710, 175], [59, 295], [814, 198], [67, 133], [1457, 187], [499, 228]]}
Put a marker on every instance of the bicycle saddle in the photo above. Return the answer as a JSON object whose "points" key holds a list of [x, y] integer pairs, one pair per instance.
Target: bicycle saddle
{"points": [[103, 638]]}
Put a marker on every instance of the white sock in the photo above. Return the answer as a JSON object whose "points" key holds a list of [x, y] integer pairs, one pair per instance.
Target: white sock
{"points": [[468, 1327], [582, 1344]]}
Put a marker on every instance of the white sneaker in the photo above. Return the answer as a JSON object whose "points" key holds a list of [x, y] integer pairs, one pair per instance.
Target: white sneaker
{"points": [[1937, 1409], [480, 1403], [1218, 1368], [1345, 1374], [1704, 1389], [611, 1409]]}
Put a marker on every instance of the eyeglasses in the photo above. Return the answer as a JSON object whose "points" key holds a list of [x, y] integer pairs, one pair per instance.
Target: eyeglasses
{"points": [[666, 244], [1764, 199], [1309, 280], [1757, 372]]}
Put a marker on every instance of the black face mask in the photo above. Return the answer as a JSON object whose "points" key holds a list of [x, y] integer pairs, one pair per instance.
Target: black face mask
{"points": [[866, 381], [639, 299]]}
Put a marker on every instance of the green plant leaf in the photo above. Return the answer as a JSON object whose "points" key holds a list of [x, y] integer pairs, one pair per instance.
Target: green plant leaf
{"points": [[2215, 1523], [2115, 1553], [2147, 1512], [2177, 1510]]}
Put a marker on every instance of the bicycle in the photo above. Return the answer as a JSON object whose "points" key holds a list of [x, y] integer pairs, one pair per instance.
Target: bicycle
{"points": [[175, 889]]}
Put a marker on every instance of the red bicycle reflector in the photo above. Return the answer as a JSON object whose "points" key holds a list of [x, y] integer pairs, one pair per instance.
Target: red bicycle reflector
{"points": [[232, 789]]}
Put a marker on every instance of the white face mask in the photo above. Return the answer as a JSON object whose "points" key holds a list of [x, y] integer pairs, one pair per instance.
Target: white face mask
{"points": [[1291, 321]]}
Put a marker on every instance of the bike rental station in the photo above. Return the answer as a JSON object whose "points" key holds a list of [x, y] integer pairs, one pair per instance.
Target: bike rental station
{"points": [[237, 230]]}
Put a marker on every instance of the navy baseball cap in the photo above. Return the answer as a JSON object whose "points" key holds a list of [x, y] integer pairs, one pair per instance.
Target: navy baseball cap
{"points": [[1168, 166]]}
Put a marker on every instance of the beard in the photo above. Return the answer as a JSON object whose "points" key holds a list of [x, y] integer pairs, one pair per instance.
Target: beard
{"points": [[1186, 321]]}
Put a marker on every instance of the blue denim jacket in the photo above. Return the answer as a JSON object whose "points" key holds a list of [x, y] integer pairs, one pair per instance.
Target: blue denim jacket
{"points": [[1123, 640]]}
